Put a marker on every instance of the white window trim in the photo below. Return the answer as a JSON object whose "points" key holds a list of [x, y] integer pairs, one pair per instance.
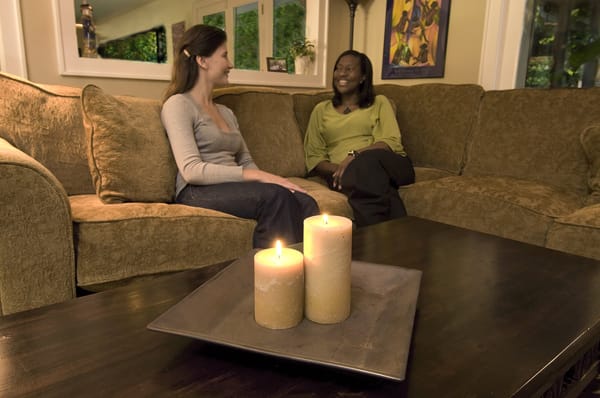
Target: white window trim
{"points": [[315, 31], [70, 64], [12, 47], [501, 62]]}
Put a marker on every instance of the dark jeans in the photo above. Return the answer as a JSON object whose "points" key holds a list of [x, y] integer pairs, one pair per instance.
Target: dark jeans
{"points": [[371, 183], [278, 212]]}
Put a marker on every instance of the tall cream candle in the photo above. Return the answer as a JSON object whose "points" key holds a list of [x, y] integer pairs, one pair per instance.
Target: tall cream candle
{"points": [[278, 287], [327, 259]]}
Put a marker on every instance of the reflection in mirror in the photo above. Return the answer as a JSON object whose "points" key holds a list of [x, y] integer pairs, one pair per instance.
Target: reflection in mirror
{"points": [[148, 46], [127, 29], [118, 19]]}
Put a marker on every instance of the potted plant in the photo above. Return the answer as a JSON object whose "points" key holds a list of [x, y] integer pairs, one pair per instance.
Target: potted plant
{"points": [[303, 53]]}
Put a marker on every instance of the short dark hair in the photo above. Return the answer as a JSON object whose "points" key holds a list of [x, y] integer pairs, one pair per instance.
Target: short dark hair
{"points": [[366, 95], [199, 40]]}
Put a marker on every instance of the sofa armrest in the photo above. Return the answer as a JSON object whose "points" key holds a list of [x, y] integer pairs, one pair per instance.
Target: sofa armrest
{"points": [[37, 259]]}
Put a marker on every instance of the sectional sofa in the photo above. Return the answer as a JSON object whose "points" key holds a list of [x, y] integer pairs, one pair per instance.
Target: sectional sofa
{"points": [[87, 178]]}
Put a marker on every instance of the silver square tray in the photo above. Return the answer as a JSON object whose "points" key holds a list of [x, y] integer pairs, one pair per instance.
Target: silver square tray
{"points": [[375, 339]]}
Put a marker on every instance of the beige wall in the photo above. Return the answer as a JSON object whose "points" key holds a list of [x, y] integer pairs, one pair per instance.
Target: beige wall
{"points": [[462, 56]]}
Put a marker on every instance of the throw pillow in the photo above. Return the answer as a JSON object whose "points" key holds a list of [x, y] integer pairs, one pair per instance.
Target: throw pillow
{"points": [[128, 150], [590, 140]]}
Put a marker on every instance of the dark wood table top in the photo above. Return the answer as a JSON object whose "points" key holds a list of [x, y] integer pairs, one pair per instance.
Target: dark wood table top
{"points": [[495, 318]]}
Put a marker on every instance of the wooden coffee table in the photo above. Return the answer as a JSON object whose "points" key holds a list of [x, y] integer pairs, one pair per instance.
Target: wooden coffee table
{"points": [[495, 318]]}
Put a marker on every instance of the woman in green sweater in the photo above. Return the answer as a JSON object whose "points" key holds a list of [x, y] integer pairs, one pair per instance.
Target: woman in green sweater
{"points": [[353, 141]]}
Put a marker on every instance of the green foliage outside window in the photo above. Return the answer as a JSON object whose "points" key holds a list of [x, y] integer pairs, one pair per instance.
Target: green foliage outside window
{"points": [[246, 38], [288, 27], [538, 72], [217, 20], [148, 46], [565, 44]]}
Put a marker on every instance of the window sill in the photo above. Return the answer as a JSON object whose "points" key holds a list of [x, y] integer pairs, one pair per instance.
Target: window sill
{"points": [[247, 77]]}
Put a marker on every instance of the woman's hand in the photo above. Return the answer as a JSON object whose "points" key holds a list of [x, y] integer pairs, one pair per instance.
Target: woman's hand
{"points": [[339, 172], [263, 176]]}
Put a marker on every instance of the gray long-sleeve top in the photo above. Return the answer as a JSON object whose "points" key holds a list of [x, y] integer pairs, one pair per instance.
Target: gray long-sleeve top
{"points": [[204, 154]]}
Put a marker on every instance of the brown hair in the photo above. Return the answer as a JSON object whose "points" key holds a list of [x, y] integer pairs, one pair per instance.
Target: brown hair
{"points": [[199, 40]]}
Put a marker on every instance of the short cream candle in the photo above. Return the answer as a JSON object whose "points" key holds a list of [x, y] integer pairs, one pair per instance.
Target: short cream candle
{"points": [[327, 260], [278, 287]]}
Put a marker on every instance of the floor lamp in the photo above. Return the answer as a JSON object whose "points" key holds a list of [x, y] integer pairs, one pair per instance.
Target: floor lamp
{"points": [[352, 4]]}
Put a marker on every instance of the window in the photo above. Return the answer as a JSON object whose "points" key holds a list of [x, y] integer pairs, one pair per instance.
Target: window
{"points": [[217, 19], [262, 29], [564, 44], [247, 40], [289, 26]]}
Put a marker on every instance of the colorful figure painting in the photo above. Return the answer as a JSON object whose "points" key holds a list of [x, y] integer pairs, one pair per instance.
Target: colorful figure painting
{"points": [[415, 38]]}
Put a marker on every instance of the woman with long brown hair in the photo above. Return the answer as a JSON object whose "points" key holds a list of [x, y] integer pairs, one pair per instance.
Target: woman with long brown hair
{"points": [[215, 167]]}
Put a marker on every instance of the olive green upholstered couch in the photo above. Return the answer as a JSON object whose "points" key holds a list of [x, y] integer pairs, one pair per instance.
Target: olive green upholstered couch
{"points": [[87, 178]]}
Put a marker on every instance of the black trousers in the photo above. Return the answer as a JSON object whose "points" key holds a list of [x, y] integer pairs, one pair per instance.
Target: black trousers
{"points": [[371, 183], [279, 213]]}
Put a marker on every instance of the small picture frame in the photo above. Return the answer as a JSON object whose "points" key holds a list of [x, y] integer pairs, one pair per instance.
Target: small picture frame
{"points": [[277, 64]]}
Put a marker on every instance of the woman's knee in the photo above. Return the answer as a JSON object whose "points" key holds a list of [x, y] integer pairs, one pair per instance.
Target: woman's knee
{"points": [[272, 193], [307, 203]]}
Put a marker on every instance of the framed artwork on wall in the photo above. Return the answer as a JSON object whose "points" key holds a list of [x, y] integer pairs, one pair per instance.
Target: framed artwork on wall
{"points": [[416, 32]]}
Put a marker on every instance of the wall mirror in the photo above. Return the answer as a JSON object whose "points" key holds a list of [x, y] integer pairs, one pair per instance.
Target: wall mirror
{"points": [[71, 64], [118, 19]]}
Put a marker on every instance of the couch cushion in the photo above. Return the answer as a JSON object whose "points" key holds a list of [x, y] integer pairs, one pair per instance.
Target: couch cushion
{"points": [[533, 134], [590, 140], [577, 233], [267, 122], [128, 150], [428, 173], [329, 201], [45, 122], [507, 207], [436, 121], [127, 240]]}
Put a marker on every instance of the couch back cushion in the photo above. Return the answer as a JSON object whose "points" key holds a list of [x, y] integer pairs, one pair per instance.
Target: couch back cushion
{"points": [[590, 141], [436, 121], [129, 156], [534, 134], [304, 102], [45, 122], [267, 122]]}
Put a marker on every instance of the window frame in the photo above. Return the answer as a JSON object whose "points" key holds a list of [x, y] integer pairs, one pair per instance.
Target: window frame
{"points": [[12, 45], [501, 65], [316, 30]]}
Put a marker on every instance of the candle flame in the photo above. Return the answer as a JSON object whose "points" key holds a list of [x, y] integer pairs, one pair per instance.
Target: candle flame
{"points": [[325, 219], [278, 248]]}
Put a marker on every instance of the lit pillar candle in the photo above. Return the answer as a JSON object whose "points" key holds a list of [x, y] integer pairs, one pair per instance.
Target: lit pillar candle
{"points": [[327, 259], [278, 287]]}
